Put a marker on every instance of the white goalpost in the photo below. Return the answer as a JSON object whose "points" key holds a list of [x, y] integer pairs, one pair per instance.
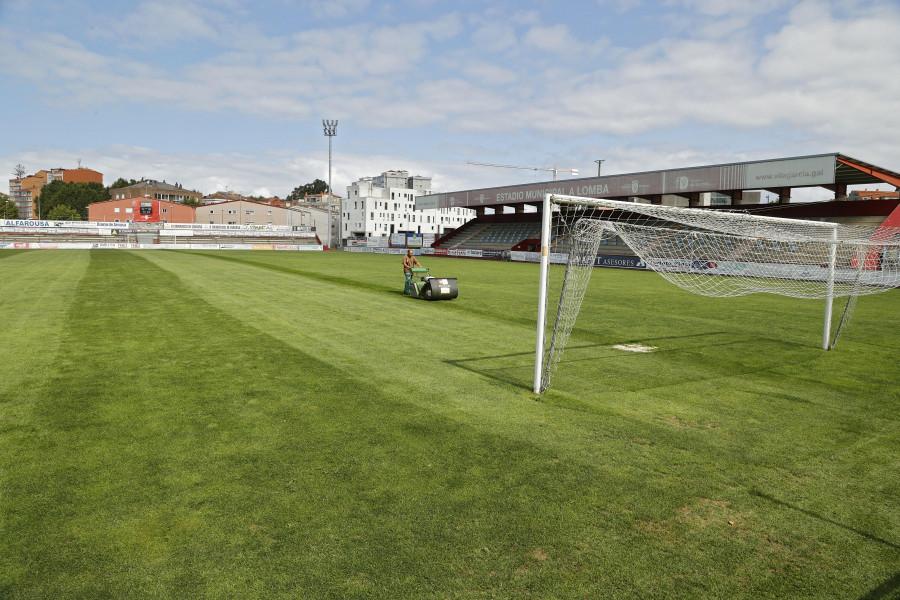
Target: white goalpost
{"points": [[721, 253]]}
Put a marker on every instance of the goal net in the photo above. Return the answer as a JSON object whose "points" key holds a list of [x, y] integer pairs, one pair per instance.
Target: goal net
{"points": [[720, 253]]}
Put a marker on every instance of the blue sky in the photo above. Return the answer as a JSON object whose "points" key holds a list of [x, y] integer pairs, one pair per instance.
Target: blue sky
{"points": [[230, 94]]}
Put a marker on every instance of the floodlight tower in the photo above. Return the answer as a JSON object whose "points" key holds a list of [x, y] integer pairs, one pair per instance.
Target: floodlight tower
{"points": [[330, 131]]}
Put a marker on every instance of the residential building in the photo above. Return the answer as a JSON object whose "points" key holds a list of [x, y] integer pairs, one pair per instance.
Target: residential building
{"points": [[26, 191], [316, 216], [873, 195], [385, 204], [156, 190], [140, 210], [247, 212], [319, 200], [315, 206], [220, 197]]}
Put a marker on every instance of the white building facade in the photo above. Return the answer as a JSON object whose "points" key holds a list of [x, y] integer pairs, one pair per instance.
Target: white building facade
{"points": [[382, 205], [317, 216]]}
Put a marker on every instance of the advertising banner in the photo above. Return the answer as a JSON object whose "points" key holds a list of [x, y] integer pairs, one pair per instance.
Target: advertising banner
{"points": [[25, 223], [556, 258], [398, 240], [621, 262], [111, 245], [414, 240], [79, 225], [246, 233]]}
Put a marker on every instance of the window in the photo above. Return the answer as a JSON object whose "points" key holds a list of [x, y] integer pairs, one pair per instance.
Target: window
{"points": [[165, 210], [232, 212], [269, 213], [116, 209], [128, 210], [249, 212]]}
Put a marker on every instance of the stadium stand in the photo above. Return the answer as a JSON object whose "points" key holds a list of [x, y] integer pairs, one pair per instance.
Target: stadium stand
{"points": [[492, 232]]}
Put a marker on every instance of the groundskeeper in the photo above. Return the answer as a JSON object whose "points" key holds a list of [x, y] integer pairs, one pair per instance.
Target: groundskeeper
{"points": [[409, 261]]}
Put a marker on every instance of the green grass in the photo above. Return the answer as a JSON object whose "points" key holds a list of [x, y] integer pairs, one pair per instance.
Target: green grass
{"points": [[288, 425]]}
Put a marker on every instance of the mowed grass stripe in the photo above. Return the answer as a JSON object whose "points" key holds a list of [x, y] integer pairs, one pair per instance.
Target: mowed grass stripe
{"points": [[37, 290], [272, 481], [383, 273], [307, 437], [745, 428]]}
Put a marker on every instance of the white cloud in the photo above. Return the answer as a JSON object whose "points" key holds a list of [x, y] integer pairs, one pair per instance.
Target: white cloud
{"points": [[621, 6], [334, 9], [492, 36], [719, 8], [488, 73], [552, 38], [162, 23]]}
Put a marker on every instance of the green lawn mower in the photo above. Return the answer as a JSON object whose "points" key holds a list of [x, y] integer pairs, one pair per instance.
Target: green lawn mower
{"points": [[425, 286]]}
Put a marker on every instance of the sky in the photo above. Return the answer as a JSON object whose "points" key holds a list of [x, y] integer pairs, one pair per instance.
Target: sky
{"points": [[230, 94]]}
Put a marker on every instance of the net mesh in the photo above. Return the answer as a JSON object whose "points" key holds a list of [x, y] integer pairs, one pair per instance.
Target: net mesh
{"points": [[716, 253]]}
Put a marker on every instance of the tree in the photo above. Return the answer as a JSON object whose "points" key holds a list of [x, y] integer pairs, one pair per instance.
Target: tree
{"points": [[8, 208], [61, 212], [316, 187], [19, 171], [75, 195], [191, 202], [122, 182]]}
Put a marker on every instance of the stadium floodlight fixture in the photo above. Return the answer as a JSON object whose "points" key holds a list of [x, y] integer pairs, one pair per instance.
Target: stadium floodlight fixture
{"points": [[330, 131]]}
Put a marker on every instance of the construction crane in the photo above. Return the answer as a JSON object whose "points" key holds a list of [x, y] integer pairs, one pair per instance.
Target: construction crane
{"points": [[535, 169]]}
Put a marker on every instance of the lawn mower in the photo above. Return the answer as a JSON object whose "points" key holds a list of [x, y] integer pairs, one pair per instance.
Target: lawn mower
{"points": [[425, 286]]}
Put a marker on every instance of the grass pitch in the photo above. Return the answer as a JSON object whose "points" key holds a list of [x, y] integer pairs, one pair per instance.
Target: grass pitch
{"points": [[288, 425]]}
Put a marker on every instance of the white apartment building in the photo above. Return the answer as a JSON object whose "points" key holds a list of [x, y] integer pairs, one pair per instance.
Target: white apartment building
{"points": [[382, 205]]}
